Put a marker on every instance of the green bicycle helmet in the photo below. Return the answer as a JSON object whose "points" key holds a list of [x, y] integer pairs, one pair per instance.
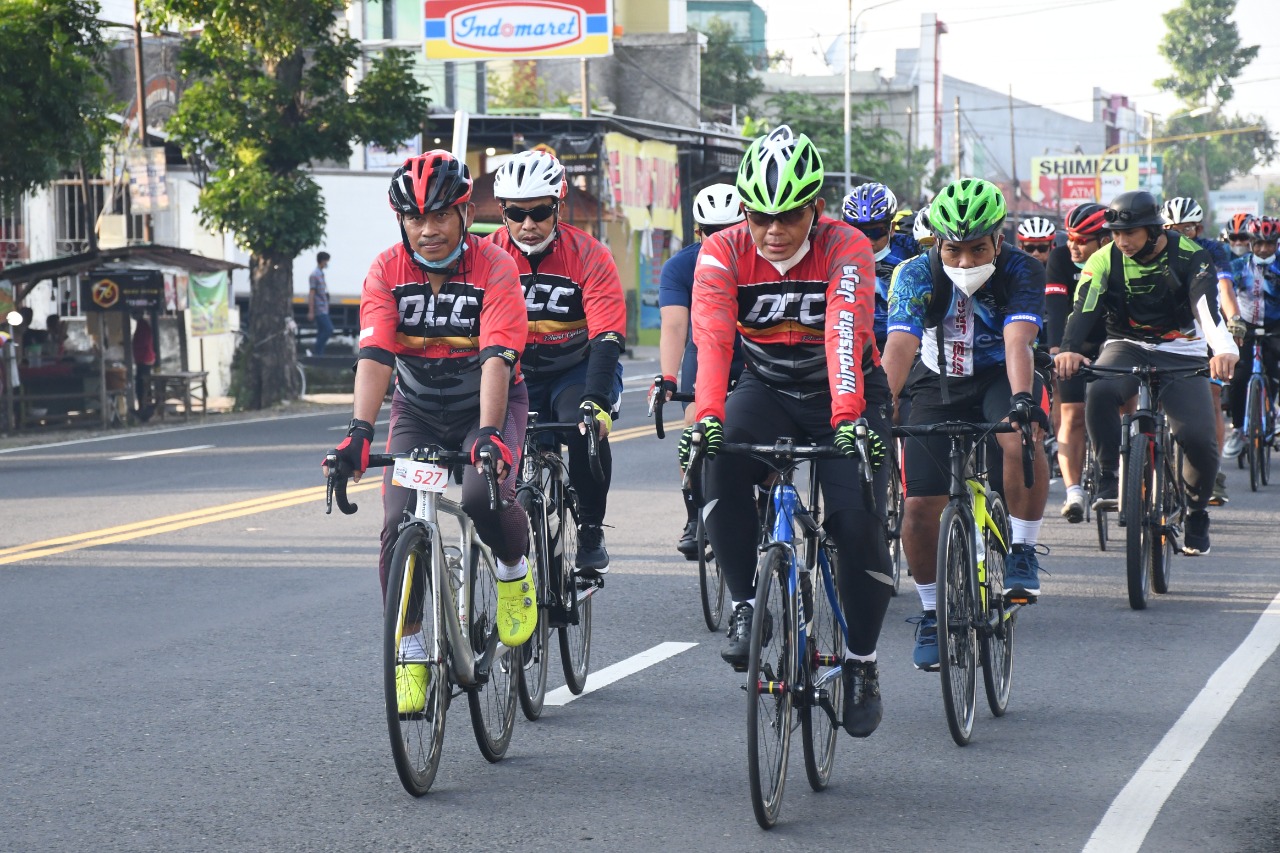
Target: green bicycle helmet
{"points": [[966, 210], [780, 172]]}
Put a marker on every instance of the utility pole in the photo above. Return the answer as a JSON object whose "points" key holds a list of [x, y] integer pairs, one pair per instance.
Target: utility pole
{"points": [[959, 150], [586, 89], [851, 37], [142, 106], [1013, 151]]}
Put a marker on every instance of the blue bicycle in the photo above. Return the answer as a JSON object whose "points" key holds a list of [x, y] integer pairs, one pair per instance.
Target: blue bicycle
{"points": [[799, 632], [1258, 429]]}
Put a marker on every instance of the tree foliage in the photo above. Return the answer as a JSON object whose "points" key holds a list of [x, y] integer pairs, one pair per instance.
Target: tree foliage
{"points": [[266, 97], [1225, 157], [54, 101], [728, 74]]}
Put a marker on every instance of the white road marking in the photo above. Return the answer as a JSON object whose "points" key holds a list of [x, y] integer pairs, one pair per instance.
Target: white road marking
{"points": [[1125, 825], [171, 451], [621, 669]]}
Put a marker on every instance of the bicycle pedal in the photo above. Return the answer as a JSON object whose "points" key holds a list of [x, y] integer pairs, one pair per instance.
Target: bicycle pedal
{"points": [[1020, 599]]}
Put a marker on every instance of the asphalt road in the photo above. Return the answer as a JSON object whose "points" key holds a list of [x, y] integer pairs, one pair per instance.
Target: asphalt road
{"points": [[205, 675]]}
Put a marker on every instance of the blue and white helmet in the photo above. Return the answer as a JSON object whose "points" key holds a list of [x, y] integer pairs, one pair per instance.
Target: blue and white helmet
{"points": [[870, 204]]}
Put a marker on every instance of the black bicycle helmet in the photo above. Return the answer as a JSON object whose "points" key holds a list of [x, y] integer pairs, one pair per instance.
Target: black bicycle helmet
{"points": [[1133, 209]]}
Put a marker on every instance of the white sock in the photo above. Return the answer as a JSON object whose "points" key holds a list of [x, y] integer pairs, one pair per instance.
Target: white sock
{"points": [[511, 573], [848, 655], [1025, 532], [413, 647], [928, 595], [750, 601], [1076, 491]]}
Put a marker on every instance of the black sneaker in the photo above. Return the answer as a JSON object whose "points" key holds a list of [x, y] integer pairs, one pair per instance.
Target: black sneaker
{"points": [[737, 652], [862, 706], [1108, 492], [592, 558], [688, 544], [1195, 542]]}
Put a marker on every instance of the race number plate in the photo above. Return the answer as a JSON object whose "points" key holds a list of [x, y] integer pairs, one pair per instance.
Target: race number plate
{"points": [[419, 475]]}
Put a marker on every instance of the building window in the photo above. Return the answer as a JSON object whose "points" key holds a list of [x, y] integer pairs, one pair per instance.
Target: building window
{"points": [[13, 236], [72, 221], [393, 20]]}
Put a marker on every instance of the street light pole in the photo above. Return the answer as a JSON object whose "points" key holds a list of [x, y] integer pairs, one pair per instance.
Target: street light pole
{"points": [[850, 37]]}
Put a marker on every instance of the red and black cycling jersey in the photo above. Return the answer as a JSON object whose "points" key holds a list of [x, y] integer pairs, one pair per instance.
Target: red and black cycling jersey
{"points": [[573, 297], [438, 341], [805, 332]]}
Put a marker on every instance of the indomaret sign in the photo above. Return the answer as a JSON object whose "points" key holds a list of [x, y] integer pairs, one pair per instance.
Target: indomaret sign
{"points": [[500, 29]]}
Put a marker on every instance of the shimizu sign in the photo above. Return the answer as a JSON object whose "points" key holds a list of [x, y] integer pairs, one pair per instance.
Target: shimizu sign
{"points": [[467, 29], [1069, 180]]}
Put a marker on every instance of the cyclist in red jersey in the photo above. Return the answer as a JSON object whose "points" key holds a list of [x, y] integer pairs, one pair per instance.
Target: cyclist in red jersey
{"points": [[576, 328], [800, 290], [442, 311]]}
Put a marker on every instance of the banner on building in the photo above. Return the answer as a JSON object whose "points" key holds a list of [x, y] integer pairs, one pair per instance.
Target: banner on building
{"points": [[148, 184], [1064, 181], [1227, 203], [209, 304], [122, 290], [175, 291], [580, 155], [532, 29], [644, 182]]}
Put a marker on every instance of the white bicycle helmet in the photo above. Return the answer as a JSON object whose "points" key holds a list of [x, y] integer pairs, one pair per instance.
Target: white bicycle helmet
{"points": [[1182, 209], [530, 174], [718, 204], [920, 229], [1037, 229]]}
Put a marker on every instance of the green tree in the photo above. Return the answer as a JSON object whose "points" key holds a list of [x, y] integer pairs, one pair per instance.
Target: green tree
{"points": [[1203, 48], [54, 101], [727, 73], [1271, 200], [266, 97]]}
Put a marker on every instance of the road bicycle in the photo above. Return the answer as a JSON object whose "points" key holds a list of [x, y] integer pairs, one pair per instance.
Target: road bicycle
{"points": [[451, 592], [1153, 500], [564, 595], [1258, 429], [711, 588], [799, 633], [976, 621]]}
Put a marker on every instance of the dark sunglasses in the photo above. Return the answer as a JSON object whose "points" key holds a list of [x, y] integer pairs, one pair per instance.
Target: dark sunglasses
{"points": [[1037, 248], [541, 213], [786, 217], [873, 234]]}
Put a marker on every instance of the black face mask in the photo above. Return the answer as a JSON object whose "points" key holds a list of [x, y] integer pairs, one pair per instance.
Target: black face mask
{"points": [[1149, 248]]}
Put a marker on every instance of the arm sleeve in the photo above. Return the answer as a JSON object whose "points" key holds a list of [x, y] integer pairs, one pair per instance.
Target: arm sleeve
{"points": [[1088, 309], [1204, 302], [606, 310], [851, 294], [715, 321], [379, 316], [504, 321], [1057, 297]]}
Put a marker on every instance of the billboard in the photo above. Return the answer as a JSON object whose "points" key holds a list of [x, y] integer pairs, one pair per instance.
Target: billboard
{"points": [[1063, 181], [534, 29], [121, 290], [644, 182]]}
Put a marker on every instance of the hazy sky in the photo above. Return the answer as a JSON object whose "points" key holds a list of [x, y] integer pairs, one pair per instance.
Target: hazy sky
{"points": [[1053, 53]]}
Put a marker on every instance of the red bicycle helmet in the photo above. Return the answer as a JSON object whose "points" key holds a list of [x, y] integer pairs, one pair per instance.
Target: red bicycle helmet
{"points": [[1086, 219], [433, 181], [1263, 229], [1238, 225]]}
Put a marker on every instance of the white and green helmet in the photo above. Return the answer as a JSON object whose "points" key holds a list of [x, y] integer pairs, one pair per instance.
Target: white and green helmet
{"points": [[780, 172]]}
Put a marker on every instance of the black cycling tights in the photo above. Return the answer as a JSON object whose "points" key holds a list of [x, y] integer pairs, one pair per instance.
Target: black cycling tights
{"points": [[755, 413]]}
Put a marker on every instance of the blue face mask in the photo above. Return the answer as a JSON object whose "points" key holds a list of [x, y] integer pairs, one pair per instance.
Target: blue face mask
{"points": [[441, 265]]}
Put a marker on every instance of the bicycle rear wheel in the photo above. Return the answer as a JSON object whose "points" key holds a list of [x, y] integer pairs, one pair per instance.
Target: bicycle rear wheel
{"points": [[1169, 492], [1091, 479], [893, 522], [958, 642], [416, 736], [534, 654], [575, 637], [997, 640], [1256, 438], [710, 580], [771, 678], [1138, 498], [824, 648], [493, 702]]}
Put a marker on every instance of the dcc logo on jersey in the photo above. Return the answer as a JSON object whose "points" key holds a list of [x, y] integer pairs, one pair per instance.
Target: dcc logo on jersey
{"points": [[769, 304], [457, 311]]}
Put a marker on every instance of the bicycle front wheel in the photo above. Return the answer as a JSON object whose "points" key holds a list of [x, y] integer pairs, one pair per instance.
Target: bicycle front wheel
{"points": [[997, 637], [1256, 438], [893, 521], [417, 731], [824, 653], [771, 677], [575, 599], [493, 701], [710, 580], [534, 654], [1168, 492], [1138, 500], [957, 638]]}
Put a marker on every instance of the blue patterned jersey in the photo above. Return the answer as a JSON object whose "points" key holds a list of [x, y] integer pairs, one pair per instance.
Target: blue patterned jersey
{"points": [[884, 276], [1222, 259], [1257, 291], [973, 327]]}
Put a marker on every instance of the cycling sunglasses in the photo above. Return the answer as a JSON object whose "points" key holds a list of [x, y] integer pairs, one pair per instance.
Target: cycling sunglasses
{"points": [[541, 213], [1037, 247], [873, 233], [786, 217]]}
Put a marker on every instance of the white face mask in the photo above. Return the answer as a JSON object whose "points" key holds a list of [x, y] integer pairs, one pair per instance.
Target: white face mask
{"points": [[1239, 250], [883, 253], [1265, 262], [970, 280], [536, 247]]}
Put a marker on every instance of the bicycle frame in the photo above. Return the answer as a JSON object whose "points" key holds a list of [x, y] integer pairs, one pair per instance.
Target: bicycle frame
{"points": [[1147, 419], [1258, 383]]}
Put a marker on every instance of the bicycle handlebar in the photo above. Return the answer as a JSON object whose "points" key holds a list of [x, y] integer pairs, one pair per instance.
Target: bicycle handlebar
{"points": [[656, 402], [1142, 371], [963, 429], [336, 482]]}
